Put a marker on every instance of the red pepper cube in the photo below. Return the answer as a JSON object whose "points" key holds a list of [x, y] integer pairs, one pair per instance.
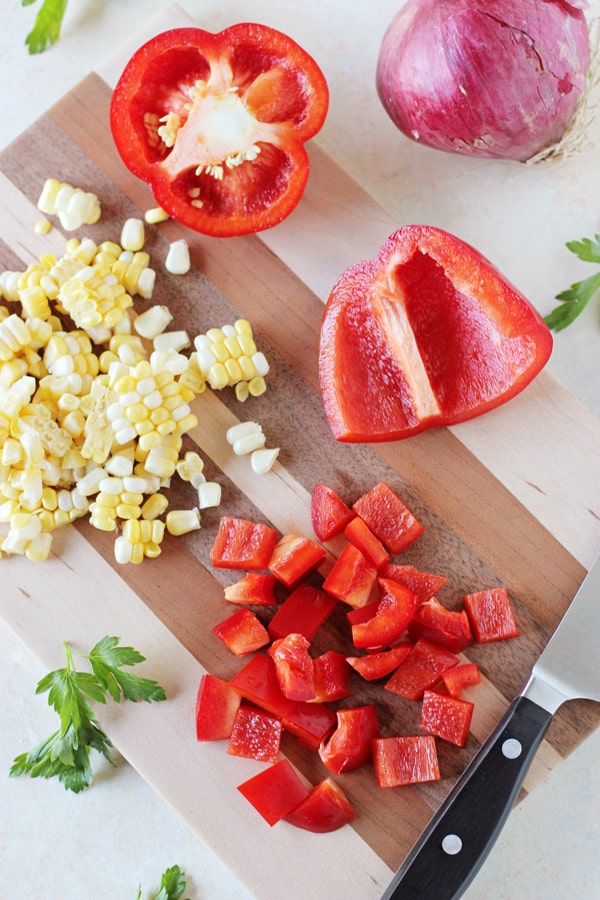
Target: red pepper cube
{"points": [[328, 512], [349, 747], [331, 676], [460, 677], [242, 632], [405, 760], [388, 517], [423, 584], [395, 611], [217, 704], [294, 557], [358, 533], [376, 665], [294, 667], [241, 544], [446, 717], [446, 627], [491, 615], [253, 589], [325, 809], [421, 670], [303, 612], [256, 734], [351, 578], [275, 792]]}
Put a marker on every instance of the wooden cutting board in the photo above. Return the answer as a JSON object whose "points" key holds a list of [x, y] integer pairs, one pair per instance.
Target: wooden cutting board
{"points": [[498, 505]]}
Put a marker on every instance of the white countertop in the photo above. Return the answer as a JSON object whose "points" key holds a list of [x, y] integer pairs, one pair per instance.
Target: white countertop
{"points": [[119, 834]]}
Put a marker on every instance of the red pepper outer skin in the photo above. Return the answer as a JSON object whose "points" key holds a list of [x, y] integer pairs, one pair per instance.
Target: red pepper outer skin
{"points": [[458, 678], [325, 809], [303, 611], [242, 632], [405, 760], [388, 517], [446, 717], [491, 615], [349, 747], [275, 88], [433, 335], [358, 533], [275, 791], [217, 704], [376, 665], [328, 512], [395, 611]]}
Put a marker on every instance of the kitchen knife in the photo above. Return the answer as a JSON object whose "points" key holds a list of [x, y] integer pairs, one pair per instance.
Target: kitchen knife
{"points": [[453, 847]]}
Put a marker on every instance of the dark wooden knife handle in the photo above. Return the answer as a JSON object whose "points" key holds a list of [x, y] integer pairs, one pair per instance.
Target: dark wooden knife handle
{"points": [[451, 850]]}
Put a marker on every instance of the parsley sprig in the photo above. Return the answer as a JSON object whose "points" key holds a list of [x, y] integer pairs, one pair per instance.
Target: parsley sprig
{"points": [[172, 885], [576, 298], [47, 25], [66, 753]]}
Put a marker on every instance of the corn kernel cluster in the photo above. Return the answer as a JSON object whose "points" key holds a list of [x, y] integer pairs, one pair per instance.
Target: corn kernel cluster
{"points": [[92, 416]]}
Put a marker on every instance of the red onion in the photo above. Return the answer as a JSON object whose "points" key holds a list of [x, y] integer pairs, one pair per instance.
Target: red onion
{"points": [[487, 78]]}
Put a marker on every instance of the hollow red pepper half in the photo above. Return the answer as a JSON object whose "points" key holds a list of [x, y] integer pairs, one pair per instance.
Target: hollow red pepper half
{"points": [[429, 333], [216, 124]]}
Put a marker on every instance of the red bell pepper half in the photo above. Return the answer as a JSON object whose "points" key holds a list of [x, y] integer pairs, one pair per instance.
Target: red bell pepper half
{"points": [[491, 615], [242, 632], [421, 669], [350, 744], [388, 517], [325, 809], [328, 512], [256, 734], [217, 704], [294, 557], [275, 791], [395, 611], [447, 627], [405, 760], [446, 717], [351, 578], [428, 333], [241, 544], [216, 124], [253, 589], [303, 611]]}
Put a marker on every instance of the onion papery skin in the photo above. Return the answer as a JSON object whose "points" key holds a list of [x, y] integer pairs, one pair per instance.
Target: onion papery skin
{"points": [[500, 79]]}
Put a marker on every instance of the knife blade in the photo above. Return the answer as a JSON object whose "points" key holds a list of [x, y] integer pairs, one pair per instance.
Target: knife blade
{"points": [[451, 850]]}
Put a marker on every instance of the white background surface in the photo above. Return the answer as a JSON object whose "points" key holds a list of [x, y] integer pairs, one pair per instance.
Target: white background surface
{"points": [[105, 842]]}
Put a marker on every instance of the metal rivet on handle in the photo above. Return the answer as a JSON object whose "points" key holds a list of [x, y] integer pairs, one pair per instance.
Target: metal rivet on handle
{"points": [[452, 844], [511, 748]]}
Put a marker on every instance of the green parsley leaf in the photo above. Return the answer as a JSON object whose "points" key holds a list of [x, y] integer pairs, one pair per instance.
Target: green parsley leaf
{"points": [[47, 25], [575, 298], [107, 658], [66, 753], [172, 884]]}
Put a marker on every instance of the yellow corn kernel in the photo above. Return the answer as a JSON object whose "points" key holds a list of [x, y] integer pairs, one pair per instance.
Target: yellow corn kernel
{"points": [[35, 302], [42, 226], [218, 377], [257, 386], [128, 511], [182, 521], [186, 424], [241, 391], [133, 234], [155, 215], [49, 498], [154, 506]]}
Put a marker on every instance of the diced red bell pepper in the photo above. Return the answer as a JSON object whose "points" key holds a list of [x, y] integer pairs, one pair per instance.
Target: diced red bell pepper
{"points": [[446, 717], [303, 611], [388, 517], [253, 589], [432, 334], [242, 632], [275, 791], [376, 665], [491, 615], [217, 704], [405, 760], [421, 669], [331, 676], [256, 734], [294, 557], [358, 533], [216, 124], [349, 747], [328, 512], [257, 682], [294, 667], [446, 627], [460, 677], [241, 544], [362, 613], [325, 809], [351, 578], [395, 611], [423, 584]]}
